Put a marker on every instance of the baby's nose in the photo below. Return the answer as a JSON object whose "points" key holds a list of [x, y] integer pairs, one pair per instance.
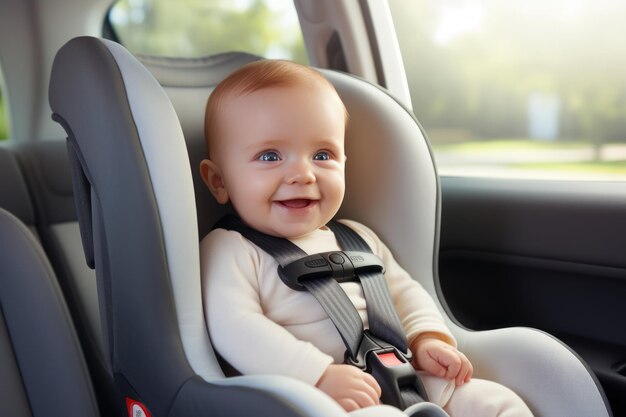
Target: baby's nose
{"points": [[300, 172]]}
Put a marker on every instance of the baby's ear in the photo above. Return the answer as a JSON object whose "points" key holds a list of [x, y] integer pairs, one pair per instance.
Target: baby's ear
{"points": [[212, 176]]}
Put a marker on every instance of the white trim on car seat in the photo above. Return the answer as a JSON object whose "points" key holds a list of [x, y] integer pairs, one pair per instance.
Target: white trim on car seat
{"points": [[299, 393], [514, 356], [164, 145]]}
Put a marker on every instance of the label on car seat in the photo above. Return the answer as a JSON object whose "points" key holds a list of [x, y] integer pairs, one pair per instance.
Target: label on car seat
{"points": [[136, 409]]}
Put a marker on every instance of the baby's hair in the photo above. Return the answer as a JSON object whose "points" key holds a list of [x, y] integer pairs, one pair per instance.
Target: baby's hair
{"points": [[255, 76]]}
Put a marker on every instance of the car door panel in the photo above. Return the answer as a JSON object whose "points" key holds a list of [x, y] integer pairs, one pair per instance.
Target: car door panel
{"points": [[544, 254]]}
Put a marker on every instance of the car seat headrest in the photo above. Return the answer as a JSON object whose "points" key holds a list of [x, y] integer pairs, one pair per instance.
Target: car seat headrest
{"points": [[205, 71], [188, 82]]}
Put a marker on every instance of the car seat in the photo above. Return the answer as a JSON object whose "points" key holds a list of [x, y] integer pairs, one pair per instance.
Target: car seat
{"points": [[139, 231], [14, 195], [137, 211], [46, 171], [43, 369]]}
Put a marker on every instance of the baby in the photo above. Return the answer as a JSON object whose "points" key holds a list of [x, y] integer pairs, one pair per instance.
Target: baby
{"points": [[275, 135]]}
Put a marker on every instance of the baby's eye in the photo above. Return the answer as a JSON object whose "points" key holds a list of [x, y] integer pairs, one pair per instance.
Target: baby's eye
{"points": [[269, 156], [321, 156]]}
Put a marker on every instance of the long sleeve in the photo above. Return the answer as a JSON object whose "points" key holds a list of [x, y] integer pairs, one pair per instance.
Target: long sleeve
{"points": [[234, 290], [259, 325]]}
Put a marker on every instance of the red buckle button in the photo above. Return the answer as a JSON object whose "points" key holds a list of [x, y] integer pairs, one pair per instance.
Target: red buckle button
{"points": [[389, 359], [136, 409]]}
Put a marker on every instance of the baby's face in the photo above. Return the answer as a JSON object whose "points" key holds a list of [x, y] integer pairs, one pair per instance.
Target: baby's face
{"points": [[282, 158]]}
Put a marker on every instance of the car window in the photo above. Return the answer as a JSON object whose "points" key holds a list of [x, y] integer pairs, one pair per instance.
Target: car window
{"points": [[191, 28], [518, 88], [4, 122]]}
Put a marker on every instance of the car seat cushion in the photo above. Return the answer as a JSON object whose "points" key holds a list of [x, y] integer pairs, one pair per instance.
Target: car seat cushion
{"points": [[35, 316]]}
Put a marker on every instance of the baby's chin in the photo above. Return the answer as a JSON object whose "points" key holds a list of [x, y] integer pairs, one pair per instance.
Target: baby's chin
{"points": [[287, 227], [292, 231]]}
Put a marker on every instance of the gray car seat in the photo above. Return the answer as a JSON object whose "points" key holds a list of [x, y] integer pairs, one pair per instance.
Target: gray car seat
{"points": [[137, 209], [43, 372], [139, 231], [14, 195], [45, 167]]}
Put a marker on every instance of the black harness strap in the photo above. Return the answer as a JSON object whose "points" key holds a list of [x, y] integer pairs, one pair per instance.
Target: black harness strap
{"points": [[326, 290], [340, 309], [384, 322], [320, 275]]}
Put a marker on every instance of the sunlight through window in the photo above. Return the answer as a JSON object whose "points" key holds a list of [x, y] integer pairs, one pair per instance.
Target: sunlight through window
{"points": [[524, 88]]}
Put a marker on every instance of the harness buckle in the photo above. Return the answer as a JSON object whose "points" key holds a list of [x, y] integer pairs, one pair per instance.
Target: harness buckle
{"points": [[392, 369]]}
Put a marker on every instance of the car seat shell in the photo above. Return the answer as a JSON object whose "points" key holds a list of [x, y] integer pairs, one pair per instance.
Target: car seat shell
{"points": [[121, 218]]}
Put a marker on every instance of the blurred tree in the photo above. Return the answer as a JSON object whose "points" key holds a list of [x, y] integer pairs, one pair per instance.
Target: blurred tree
{"points": [[200, 27], [4, 128], [473, 64]]}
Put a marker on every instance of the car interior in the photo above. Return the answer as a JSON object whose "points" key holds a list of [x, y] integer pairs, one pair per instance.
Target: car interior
{"points": [[102, 209], [36, 380]]}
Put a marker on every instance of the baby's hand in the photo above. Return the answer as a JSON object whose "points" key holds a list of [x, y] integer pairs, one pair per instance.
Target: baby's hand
{"points": [[350, 387], [441, 359]]}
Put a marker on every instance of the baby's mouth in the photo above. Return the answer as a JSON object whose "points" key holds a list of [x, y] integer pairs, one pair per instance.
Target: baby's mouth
{"points": [[297, 203]]}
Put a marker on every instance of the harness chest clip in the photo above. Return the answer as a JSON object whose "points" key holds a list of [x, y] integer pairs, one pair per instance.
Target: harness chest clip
{"points": [[343, 266]]}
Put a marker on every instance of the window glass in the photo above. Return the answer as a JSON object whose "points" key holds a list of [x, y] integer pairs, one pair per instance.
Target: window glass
{"points": [[191, 28], [4, 119], [519, 88]]}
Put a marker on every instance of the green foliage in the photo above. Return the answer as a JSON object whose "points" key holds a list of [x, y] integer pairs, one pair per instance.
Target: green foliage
{"points": [[537, 159], [609, 169], [509, 145], [199, 27], [480, 78], [4, 128]]}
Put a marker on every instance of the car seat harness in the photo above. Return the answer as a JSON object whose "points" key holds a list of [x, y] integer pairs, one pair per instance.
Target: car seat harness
{"points": [[382, 349]]}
